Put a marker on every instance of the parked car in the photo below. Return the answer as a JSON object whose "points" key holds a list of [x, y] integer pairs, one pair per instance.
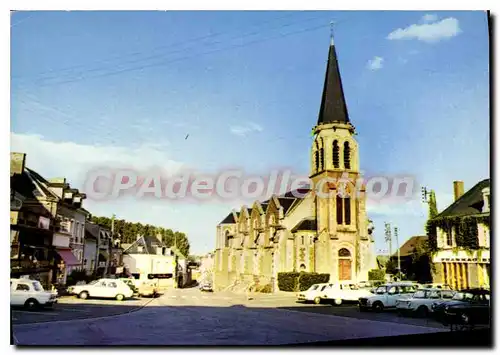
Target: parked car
{"points": [[467, 307], [313, 293], [420, 303], [385, 296], [147, 289], [338, 293], [103, 288], [206, 287], [30, 294], [131, 283], [364, 284], [437, 285]]}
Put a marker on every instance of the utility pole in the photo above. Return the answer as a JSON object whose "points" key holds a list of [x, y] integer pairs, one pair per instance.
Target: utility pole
{"points": [[397, 245], [388, 237], [109, 244], [425, 193]]}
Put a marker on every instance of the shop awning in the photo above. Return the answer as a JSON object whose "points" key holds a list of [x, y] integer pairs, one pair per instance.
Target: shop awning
{"points": [[68, 257], [104, 254]]}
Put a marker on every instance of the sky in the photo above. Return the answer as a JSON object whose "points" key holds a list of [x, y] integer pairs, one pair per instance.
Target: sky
{"points": [[124, 89]]}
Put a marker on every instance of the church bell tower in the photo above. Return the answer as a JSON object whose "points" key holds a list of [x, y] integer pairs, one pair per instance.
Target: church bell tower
{"points": [[340, 216]]}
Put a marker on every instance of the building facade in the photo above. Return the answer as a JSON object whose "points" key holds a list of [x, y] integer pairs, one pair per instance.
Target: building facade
{"points": [[148, 258], [43, 243], [320, 228], [461, 236]]}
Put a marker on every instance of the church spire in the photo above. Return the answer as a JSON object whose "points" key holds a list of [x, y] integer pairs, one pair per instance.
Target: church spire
{"points": [[333, 106]]}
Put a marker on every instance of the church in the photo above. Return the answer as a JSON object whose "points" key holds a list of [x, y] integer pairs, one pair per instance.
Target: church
{"points": [[323, 233]]}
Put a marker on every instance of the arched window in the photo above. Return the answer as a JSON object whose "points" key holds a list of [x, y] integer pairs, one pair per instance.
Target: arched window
{"points": [[339, 208], [302, 267], [336, 159], [321, 156], [226, 239], [347, 156], [316, 156], [255, 231], [344, 253], [347, 210]]}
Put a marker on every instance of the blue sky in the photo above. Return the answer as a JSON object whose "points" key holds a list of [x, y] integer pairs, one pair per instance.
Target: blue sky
{"points": [[124, 88]]}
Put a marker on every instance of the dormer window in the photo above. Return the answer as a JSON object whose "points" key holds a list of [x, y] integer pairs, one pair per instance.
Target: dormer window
{"points": [[486, 200]]}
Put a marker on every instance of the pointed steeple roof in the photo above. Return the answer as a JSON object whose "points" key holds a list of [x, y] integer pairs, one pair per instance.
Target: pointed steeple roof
{"points": [[333, 106]]}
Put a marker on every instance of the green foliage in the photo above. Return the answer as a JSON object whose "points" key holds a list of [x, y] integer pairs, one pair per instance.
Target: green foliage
{"points": [[307, 279], [288, 281], [376, 274], [295, 281], [391, 266], [268, 288], [77, 276], [464, 227], [433, 211], [129, 231]]}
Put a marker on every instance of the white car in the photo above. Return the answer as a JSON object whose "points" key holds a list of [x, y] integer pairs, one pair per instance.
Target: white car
{"points": [[103, 288], [421, 301], [437, 285], [338, 293], [313, 293], [386, 295], [30, 294]]}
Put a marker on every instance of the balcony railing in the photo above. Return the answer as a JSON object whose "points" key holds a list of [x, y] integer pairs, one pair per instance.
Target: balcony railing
{"points": [[17, 264]]}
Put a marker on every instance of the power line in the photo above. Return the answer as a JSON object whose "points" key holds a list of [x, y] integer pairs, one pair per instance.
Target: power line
{"points": [[42, 81], [21, 21], [183, 58], [132, 54]]}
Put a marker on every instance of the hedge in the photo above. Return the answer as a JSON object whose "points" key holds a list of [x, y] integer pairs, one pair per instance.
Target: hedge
{"points": [[76, 276], [376, 274], [295, 281], [288, 281]]}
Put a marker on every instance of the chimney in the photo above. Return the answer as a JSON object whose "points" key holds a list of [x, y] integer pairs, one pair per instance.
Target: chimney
{"points": [[159, 237], [17, 161], [458, 189]]}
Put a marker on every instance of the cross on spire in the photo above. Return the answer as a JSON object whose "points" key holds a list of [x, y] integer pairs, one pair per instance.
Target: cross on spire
{"points": [[333, 106], [332, 23]]}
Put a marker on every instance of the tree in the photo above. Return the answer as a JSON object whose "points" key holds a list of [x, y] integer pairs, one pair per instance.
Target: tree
{"points": [[128, 232], [433, 211], [420, 268]]}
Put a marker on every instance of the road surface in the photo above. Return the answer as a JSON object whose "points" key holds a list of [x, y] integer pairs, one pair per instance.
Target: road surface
{"points": [[188, 317]]}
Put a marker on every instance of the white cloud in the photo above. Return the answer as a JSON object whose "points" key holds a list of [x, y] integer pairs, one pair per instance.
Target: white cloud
{"points": [[376, 63], [73, 161], [427, 18], [243, 130], [428, 32]]}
